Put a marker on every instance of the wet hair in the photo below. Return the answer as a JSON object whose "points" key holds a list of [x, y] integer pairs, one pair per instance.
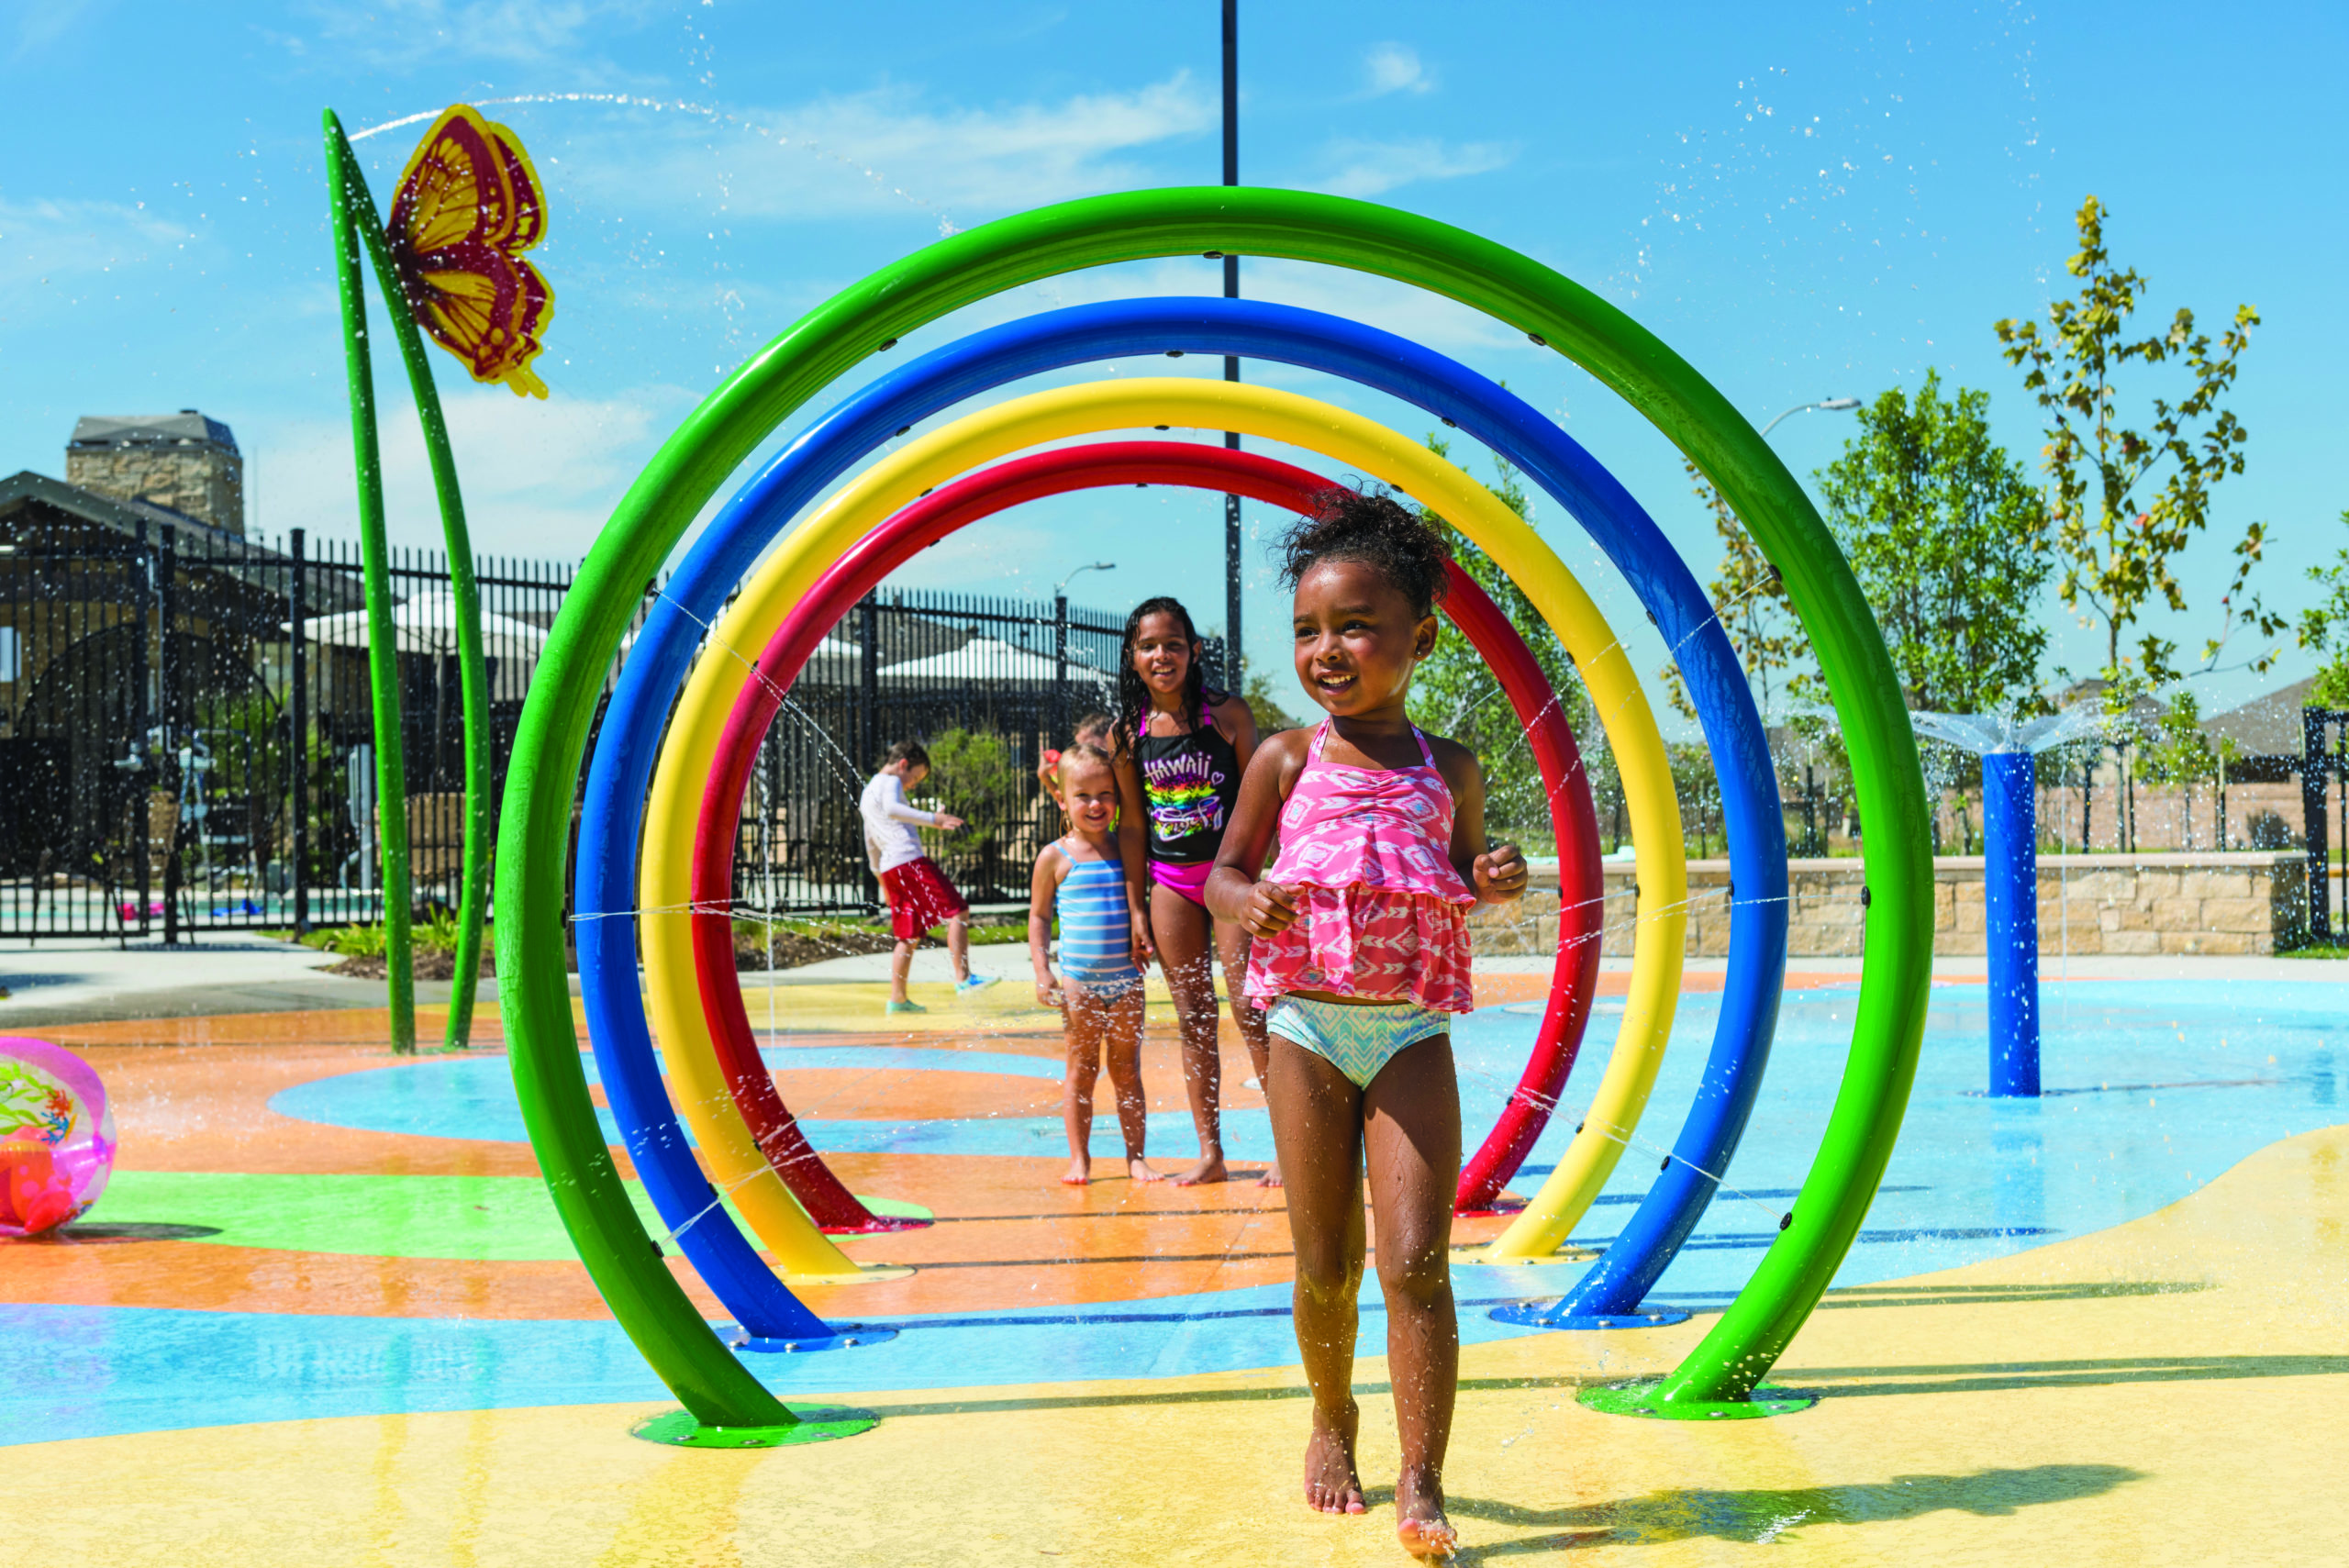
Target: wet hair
{"points": [[1133, 696], [909, 752], [1377, 531], [1095, 723], [1085, 752]]}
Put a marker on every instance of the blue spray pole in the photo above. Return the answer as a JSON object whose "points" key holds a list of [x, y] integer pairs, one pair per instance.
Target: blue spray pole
{"points": [[2010, 912]]}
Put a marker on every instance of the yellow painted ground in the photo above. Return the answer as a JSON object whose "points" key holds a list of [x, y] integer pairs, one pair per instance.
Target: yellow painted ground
{"points": [[2169, 1392], [854, 1006]]}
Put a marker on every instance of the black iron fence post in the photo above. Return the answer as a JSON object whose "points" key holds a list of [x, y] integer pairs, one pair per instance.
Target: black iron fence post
{"points": [[141, 744], [2314, 757], [166, 611], [1060, 669], [299, 751], [868, 730]]}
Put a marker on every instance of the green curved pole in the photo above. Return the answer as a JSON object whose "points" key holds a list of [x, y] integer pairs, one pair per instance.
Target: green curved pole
{"points": [[382, 655], [473, 674], [871, 316]]}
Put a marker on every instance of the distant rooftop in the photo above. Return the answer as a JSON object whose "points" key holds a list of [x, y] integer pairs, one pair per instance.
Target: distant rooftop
{"points": [[187, 427], [2265, 726]]}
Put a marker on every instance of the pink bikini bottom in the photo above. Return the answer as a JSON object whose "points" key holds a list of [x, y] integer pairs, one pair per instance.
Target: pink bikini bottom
{"points": [[1189, 879]]}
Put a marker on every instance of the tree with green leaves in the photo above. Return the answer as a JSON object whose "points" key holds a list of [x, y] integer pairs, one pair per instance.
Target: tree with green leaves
{"points": [[1949, 542], [2324, 630], [2178, 753], [2126, 499], [1455, 693], [977, 775], [1750, 598], [1266, 699]]}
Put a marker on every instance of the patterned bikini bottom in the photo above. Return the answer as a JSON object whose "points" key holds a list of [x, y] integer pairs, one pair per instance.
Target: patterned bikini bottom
{"points": [[1357, 1039]]}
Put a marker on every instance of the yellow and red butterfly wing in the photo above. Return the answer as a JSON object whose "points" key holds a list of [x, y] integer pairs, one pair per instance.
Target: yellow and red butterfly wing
{"points": [[467, 203]]}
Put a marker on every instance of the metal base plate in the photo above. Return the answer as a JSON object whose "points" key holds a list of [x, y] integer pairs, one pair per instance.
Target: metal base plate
{"points": [[1460, 1255], [1536, 1314], [1639, 1399], [816, 1424], [845, 1337]]}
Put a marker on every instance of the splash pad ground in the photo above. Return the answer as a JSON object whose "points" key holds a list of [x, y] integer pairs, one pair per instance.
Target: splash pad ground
{"points": [[327, 1312]]}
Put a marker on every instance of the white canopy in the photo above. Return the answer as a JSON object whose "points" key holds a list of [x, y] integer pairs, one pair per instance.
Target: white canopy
{"points": [[984, 661], [834, 662], [427, 624]]}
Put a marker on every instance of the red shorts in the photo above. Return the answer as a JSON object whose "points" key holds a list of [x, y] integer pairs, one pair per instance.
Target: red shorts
{"points": [[920, 897]]}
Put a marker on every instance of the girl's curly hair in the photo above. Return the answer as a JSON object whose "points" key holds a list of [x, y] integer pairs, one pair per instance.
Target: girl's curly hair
{"points": [[1378, 531]]}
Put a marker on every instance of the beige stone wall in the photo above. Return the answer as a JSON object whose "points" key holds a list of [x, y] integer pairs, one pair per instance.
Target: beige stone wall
{"points": [[203, 481], [2112, 904]]}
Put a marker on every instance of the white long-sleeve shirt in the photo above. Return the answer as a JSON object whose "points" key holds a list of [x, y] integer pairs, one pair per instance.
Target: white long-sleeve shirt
{"points": [[889, 838]]}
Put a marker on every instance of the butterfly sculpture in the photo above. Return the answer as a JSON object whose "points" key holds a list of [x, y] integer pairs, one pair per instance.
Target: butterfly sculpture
{"points": [[467, 206]]}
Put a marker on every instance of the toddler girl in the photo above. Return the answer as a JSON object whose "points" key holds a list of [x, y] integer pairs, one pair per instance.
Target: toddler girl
{"points": [[1360, 953], [1100, 990]]}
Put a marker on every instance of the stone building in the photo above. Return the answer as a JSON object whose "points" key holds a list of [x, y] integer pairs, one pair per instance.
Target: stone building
{"points": [[183, 461]]}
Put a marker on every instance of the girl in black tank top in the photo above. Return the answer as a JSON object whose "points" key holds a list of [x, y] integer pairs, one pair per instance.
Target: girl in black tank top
{"points": [[1180, 751], [1191, 782]]}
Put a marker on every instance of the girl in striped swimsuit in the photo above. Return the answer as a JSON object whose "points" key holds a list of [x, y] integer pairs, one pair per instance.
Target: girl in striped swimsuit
{"points": [[1360, 955], [1098, 990]]}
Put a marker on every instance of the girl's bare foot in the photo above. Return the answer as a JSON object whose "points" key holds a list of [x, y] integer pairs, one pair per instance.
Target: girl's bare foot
{"points": [[1207, 1171], [1079, 1171], [1272, 1176], [1139, 1170], [1330, 1484], [1421, 1526]]}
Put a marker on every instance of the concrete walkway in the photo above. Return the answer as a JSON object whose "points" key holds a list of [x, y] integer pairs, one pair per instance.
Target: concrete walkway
{"points": [[93, 981]]}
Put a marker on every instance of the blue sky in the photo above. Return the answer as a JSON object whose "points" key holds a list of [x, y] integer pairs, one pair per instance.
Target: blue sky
{"points": [[1803, 200]]}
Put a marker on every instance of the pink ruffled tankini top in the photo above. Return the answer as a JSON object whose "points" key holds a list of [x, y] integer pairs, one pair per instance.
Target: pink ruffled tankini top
{"points": [[1381, 914]]}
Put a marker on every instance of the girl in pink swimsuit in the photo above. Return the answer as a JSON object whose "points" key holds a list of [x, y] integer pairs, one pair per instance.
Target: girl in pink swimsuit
{"points": [[1360, 954]]}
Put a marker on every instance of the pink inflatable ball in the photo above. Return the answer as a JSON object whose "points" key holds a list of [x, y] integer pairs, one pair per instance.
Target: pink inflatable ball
{"points": [[56, 1137]]}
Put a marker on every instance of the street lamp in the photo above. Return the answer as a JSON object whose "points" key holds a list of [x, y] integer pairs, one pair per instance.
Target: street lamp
{"points": [[1059, 641], [1061, 587], [1831, 404]]}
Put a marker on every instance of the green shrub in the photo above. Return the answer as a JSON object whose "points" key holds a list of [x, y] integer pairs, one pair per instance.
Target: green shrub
{"points": [[354, 941], [975, 775]]}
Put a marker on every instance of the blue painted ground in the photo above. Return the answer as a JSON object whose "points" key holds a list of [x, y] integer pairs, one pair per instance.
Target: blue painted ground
{"points": [[2154, 1089]]}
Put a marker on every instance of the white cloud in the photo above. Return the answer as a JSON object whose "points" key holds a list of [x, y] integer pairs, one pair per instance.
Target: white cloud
{"points": [[49, 242], [879, 151], [539, 478], [1372, 168], [1395, 68]]}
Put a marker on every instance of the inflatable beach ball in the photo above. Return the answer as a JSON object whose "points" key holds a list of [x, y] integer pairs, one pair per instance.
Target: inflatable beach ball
{"points": [[56, 1137]]}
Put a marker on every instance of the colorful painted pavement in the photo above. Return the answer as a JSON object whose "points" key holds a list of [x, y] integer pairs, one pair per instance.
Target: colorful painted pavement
{"points": [[326, 1312]]}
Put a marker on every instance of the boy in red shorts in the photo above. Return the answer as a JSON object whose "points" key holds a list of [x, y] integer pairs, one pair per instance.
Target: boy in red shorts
{"points": [[918, 892]]}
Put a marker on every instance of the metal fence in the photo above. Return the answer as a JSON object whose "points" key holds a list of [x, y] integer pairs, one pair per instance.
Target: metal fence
{"points": [[987, 685], [186, 736]]}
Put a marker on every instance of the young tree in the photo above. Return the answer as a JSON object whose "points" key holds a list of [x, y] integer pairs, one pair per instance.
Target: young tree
{"points": [[2324, 630], [2180, 754], [1455, 693], [1267, 697], [2126, 501], [1949, 542], [1751, 600]]}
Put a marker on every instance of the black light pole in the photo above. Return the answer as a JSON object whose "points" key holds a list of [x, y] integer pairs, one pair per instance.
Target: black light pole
{"points": [[1231, 361]]}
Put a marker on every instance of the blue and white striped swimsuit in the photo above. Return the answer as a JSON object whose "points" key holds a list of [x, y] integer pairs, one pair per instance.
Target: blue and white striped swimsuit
{"points": [[1096, 929]]}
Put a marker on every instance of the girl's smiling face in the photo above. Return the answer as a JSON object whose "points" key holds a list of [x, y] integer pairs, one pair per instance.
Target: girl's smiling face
{"points": [[1357, 639], [1089, 796], [1162, 654]]}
